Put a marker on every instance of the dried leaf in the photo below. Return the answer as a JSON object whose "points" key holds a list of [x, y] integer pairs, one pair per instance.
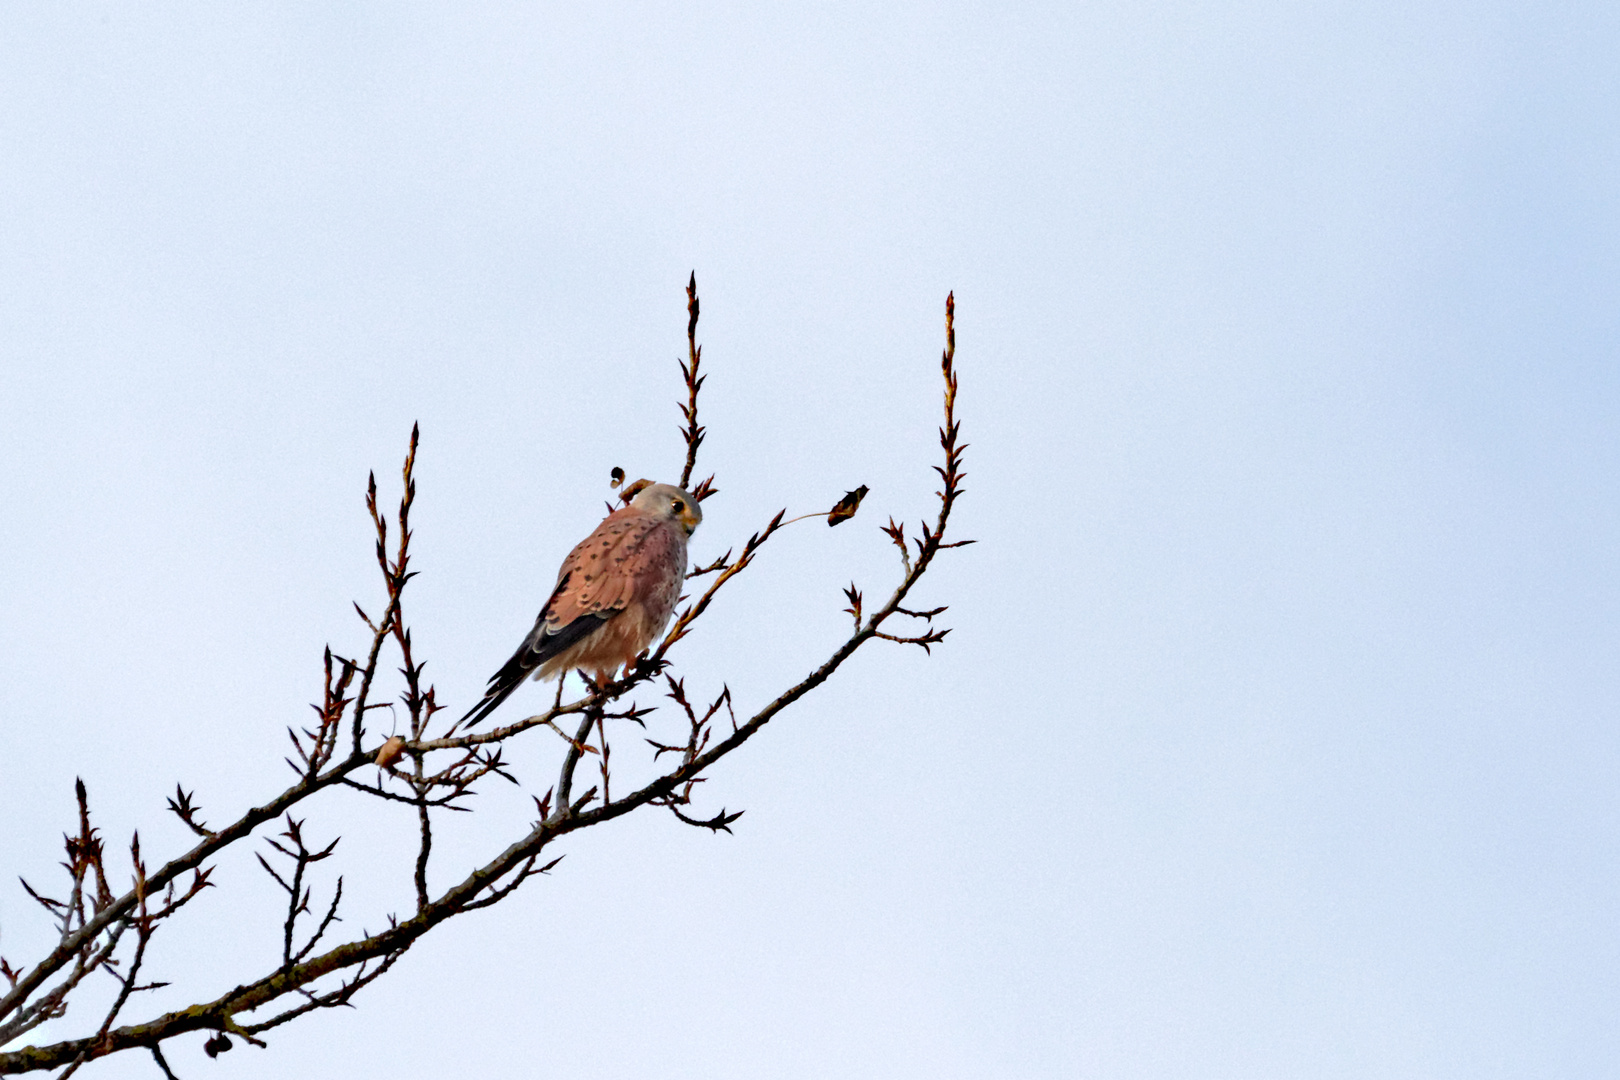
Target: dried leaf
{"points": [[845, 508], [617, 477], [391, 751]]}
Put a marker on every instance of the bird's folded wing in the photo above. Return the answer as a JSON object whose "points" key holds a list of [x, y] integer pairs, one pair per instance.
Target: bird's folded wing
{"points": [[606, 571], [624, 561]]}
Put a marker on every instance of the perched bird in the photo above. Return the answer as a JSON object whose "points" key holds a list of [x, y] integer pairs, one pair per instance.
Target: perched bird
{"points": [[614, 593]]}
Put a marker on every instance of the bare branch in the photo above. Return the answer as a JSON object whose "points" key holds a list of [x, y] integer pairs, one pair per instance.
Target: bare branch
{"points": [[315, 970]]}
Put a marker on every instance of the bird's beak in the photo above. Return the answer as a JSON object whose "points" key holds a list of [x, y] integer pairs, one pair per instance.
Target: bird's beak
{"points": [[689, 522]]}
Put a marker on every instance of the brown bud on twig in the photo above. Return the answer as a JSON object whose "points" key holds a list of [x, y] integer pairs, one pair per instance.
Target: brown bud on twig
{"points": [[391, 751], [616, 477], [845, 508]]}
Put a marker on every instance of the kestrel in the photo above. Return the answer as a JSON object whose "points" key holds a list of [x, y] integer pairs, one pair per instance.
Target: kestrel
{"points": [[614, 593]]}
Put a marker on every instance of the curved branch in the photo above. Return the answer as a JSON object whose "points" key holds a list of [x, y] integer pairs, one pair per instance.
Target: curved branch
{"points": [[299, 974]]}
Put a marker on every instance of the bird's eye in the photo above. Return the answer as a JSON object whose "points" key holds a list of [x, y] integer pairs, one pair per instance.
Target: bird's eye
{"points": [[678, 506]]}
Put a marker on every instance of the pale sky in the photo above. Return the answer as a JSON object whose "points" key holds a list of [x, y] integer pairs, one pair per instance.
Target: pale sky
{"points": [[1276, 735]]}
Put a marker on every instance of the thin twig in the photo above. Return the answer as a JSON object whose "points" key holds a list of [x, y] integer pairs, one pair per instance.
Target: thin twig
{"points": [[692, 432]]}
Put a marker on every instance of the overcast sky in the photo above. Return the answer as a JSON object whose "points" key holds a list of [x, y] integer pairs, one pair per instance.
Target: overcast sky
{"points": [[1276, 735]]}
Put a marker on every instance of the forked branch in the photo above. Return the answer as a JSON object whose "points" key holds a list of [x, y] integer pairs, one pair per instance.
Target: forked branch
{"points": [[428, 768]]}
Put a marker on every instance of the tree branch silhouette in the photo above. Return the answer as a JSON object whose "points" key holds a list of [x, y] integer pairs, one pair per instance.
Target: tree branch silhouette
{"points": [[434, 770]]}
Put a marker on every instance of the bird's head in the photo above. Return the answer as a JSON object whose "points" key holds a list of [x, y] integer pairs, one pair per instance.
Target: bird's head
{"points": [[669, 501]]}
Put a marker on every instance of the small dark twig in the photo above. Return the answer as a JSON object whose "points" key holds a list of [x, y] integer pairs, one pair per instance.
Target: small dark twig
{"points": [[717, 565], [721, 822], [187, 811], [157, 1056], [692, 432]]}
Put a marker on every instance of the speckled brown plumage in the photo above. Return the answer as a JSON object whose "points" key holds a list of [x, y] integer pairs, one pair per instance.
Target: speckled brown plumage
{"points": [[615, 592]]}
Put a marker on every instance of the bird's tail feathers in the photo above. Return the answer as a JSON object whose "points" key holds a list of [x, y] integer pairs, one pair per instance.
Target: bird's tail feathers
{"points": [[491, 701], [543, 645]]}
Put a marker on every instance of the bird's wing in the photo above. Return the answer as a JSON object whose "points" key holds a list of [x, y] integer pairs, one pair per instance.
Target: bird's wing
{"points": [[600, 577], [604, 571]]}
